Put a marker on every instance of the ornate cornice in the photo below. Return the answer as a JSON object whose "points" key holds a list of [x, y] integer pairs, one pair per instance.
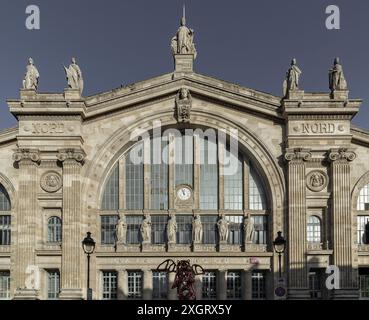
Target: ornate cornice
{"points": [[298, 154], [342, 154], [26, 155], [71, 154]]}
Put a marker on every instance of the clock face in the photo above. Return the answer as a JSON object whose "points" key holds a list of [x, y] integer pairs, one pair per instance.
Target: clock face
{"points": [[184, 193]]}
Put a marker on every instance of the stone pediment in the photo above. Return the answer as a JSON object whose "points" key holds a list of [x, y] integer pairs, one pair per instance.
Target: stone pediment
{"points": [[203, 87], [199, 85]]}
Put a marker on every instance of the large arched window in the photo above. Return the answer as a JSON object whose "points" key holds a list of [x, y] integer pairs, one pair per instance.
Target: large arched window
{"points": [[314, 230], [127, 190], [54, 230], [5, 217], [212, 177]]}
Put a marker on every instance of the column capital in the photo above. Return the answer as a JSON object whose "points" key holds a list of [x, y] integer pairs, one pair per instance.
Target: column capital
{"points": [[297, 154], [342, 154], [31, 155], [77, 155]]}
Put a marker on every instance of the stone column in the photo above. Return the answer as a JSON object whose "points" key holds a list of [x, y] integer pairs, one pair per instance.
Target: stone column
{"points": [[296, 238], [342, 221], [196, 171], [72, 252], [247, 284], [171, 170], [122, 284], [24, 247], [198, 287], [172, 293], [222, 285], [246, 183], [147, 284]]}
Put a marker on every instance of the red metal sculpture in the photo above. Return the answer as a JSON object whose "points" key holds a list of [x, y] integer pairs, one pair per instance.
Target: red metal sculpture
{"points": [[185, 277]]}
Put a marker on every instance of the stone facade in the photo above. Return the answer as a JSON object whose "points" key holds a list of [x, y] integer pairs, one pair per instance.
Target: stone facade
{"points": [[57, 161]]}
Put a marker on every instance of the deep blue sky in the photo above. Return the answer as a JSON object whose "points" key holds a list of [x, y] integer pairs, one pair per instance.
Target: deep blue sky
{"points": [[248, 42]]}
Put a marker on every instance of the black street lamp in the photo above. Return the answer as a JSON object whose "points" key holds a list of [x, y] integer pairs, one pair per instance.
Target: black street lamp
{"points": [[279, 247], [88, 245]]}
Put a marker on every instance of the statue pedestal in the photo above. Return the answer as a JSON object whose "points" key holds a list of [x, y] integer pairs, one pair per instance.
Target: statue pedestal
{"points": [[146, 246], [295, 95], [26, 294], [27, 94], [224, 246], [197, 247], [183, 63], [340, 94], [72, 94]]}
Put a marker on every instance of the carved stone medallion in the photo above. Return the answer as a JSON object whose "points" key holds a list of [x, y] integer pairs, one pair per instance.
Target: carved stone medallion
{"points": [[316, 180], [51, 181]]}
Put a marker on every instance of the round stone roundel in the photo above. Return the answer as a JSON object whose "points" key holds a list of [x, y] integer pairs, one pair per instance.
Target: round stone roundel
{"points": [[51, 181], [316, 180]]}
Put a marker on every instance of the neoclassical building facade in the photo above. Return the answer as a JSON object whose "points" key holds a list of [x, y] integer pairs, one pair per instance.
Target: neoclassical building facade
{"points": [[77, 164]]}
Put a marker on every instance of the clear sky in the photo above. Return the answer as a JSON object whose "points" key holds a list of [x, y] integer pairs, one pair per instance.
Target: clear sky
{"points": [[248, 42]]}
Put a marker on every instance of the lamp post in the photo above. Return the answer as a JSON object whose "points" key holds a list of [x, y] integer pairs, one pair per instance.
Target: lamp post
{"points": [[279, 247], [88, 245]]}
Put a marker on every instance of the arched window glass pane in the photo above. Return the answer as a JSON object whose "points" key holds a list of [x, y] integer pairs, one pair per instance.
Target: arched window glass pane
{"points": [[184, 160], [363, 229], [208, 175], [110, 199], [134, 178], [4, 200], [54, 227], [235, 229], [256, 190], [159, 174], [233, 190], [363, 200], [314, 230]]}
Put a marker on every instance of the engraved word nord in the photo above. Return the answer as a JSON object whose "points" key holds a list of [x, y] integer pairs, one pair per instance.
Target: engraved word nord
{"points": [[318, 128], [48, 127]]}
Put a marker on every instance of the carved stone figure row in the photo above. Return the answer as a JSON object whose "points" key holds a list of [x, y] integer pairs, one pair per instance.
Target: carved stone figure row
{"points": [[197, 229], [73, 74], [337, 79]]}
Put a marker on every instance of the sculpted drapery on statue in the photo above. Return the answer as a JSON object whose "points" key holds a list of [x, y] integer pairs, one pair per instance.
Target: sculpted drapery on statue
{"points": [[337, 79], [292, 78], [172, 229], [249, 229], [223, 228], [74, 76], [146, 229], [197, 229], [183, 41], [121, 230], [32, 76]]}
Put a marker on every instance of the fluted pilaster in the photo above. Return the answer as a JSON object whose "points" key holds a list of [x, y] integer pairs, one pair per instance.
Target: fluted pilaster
{"points": [[297, 273], [27, 161], [72, 251], [341, 214]]}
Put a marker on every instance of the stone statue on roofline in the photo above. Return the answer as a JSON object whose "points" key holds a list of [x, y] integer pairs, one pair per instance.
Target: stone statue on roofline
{"points": [[32, 76], [337, 79], [291, 83], [74, 76], [183, 41]]}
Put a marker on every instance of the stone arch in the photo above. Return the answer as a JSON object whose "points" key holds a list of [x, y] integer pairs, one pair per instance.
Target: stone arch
{"points": [[6, 183], [98, 168]]}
